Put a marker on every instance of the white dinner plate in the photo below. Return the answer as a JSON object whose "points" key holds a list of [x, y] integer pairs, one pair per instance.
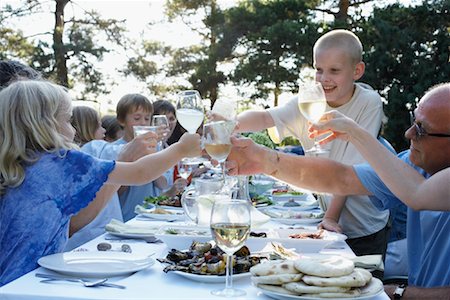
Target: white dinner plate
{"points": [[95, 264], [126, 235], [374, 288], [301, 207], [300, 221], [175, 216], [211, 278]]}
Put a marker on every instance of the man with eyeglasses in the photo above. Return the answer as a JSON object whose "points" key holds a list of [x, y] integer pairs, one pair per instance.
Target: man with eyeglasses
{"points": [[429, 152]]}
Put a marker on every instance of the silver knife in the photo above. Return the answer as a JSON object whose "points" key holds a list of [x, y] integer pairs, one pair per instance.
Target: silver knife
{"points": [[72, 279]]}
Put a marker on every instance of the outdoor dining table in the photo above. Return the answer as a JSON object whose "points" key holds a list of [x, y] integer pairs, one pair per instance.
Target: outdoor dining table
{"points": [[150, 283]]}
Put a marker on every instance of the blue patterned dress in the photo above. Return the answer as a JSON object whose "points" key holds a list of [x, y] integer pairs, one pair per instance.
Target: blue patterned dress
{"points": [[34, 217]]}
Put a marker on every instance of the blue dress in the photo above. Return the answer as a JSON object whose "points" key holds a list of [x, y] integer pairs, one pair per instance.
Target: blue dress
{"points": [[427, 231], [34, 217]]}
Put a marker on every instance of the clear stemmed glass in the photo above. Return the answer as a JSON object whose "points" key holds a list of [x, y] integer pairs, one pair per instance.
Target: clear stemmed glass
{"points": [[160, 120], [138, 130], [190, 112], [312, 104], [216, 139], [230, 226], [184, 169]]}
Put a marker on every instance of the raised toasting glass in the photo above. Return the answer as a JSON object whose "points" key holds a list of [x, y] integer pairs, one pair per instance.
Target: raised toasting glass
{"points": [[230, 227], [312, 104], [190, 114], [216, 139], [160, 121]]}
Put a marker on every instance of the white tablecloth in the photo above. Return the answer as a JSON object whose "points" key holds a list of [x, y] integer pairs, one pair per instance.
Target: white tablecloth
{"points": [[151, 283]]}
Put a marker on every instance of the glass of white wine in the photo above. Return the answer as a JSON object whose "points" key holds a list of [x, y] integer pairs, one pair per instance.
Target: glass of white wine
{"points": [[312, 104], [158, 121], [230, 227], [190, 113], [216, 139]]}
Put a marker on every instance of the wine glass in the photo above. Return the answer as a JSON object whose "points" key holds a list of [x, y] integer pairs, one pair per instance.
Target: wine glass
{"points": [[161, 120], [184, 169], [312, 104], [230, 227], [216, 139], [138, 130], [190, 113]]}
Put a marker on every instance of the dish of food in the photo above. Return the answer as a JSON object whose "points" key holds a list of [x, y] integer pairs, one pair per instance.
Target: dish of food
{"points": [[181, 237], [291, 217], [374, 288], [95, 264], [160, 214], [211, 278], [301, 240], [208, 261], [294, 205], [163, 201]]}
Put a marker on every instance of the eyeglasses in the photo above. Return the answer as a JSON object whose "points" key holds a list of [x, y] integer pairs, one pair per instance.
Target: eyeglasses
{"points": [[420, 132]]}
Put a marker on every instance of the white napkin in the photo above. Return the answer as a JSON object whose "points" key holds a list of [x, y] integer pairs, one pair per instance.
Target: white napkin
{"points": [[120, 227]]}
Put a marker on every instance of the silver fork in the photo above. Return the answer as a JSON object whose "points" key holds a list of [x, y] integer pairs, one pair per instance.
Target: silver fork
{"points": [[86, 283]]}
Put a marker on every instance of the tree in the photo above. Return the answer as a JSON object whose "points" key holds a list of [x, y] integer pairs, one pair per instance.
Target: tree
{"points": [[406, 53], [74, 40], [273, 44]]}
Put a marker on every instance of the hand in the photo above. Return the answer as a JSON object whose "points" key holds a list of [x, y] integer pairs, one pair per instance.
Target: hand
{"points": [[190, 145], [140, 146], [246, 157], [330, 225], [177, 188], [335, 123], [212, 116]]}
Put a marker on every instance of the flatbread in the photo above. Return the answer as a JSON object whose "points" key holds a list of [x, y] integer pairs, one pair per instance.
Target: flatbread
{"points": [[277, 279], [358, 278], [303, 288], [353, 293], [274, 267], [275, 288], [330, 266]]}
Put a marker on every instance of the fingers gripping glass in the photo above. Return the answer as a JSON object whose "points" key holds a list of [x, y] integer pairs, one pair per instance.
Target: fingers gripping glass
{"points": [[420, 131]]}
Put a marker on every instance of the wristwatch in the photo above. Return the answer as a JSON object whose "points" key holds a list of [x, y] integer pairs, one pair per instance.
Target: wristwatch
{"points": [[399, 290]]}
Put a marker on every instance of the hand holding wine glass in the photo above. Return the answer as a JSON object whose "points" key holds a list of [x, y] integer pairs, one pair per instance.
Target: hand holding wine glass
{"points": [[190, 112], [230, 227], [312, 104]]}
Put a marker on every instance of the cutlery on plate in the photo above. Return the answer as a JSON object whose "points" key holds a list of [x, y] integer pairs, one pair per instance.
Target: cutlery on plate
{"points": [[86, 283]]}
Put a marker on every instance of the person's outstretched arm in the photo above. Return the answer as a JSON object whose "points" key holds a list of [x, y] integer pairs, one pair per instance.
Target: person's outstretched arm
{"points": [[403, 180], [312, 173]]}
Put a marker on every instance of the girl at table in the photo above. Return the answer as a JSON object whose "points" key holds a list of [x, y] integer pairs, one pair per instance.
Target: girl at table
{"points": [[87, 124], [44, 179]]}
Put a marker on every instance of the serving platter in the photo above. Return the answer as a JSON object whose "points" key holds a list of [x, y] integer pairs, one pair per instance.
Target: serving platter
{"points": [[211, 278]]}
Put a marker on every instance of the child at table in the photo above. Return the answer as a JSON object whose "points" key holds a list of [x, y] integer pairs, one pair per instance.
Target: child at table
{"points": [[338, 65], [44, 179]]}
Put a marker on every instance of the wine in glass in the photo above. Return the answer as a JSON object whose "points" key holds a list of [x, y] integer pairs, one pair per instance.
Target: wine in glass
{"points": [[312, 104], [230, 227], [138, 130], [161, 120], [190, 113], [184, 169], [216, 139]]}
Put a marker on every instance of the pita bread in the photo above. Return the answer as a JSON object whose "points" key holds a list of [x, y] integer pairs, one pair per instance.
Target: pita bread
{"points": [[353, 293], [274, 267], [303, 288], [358, 278], [329, 266], [275, 288], [277, 279]]}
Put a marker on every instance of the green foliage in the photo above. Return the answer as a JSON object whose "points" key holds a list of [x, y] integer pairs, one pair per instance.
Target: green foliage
{"points": [[261, 138], [406, 54]]}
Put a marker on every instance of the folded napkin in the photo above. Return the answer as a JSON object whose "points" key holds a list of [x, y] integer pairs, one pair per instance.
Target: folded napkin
{"points": [[370, 262], [120, 227]]}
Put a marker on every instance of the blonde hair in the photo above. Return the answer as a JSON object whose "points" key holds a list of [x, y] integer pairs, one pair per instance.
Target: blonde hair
{"points": [[86, 121], [28, 126], [341, 38]]}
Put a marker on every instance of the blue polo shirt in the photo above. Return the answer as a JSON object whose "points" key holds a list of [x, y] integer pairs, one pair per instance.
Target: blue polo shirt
{"points": [[428, 232]]}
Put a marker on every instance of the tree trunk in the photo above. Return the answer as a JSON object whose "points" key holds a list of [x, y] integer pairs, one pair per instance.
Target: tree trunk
{"points": [[342, 14], [58, 44]]}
